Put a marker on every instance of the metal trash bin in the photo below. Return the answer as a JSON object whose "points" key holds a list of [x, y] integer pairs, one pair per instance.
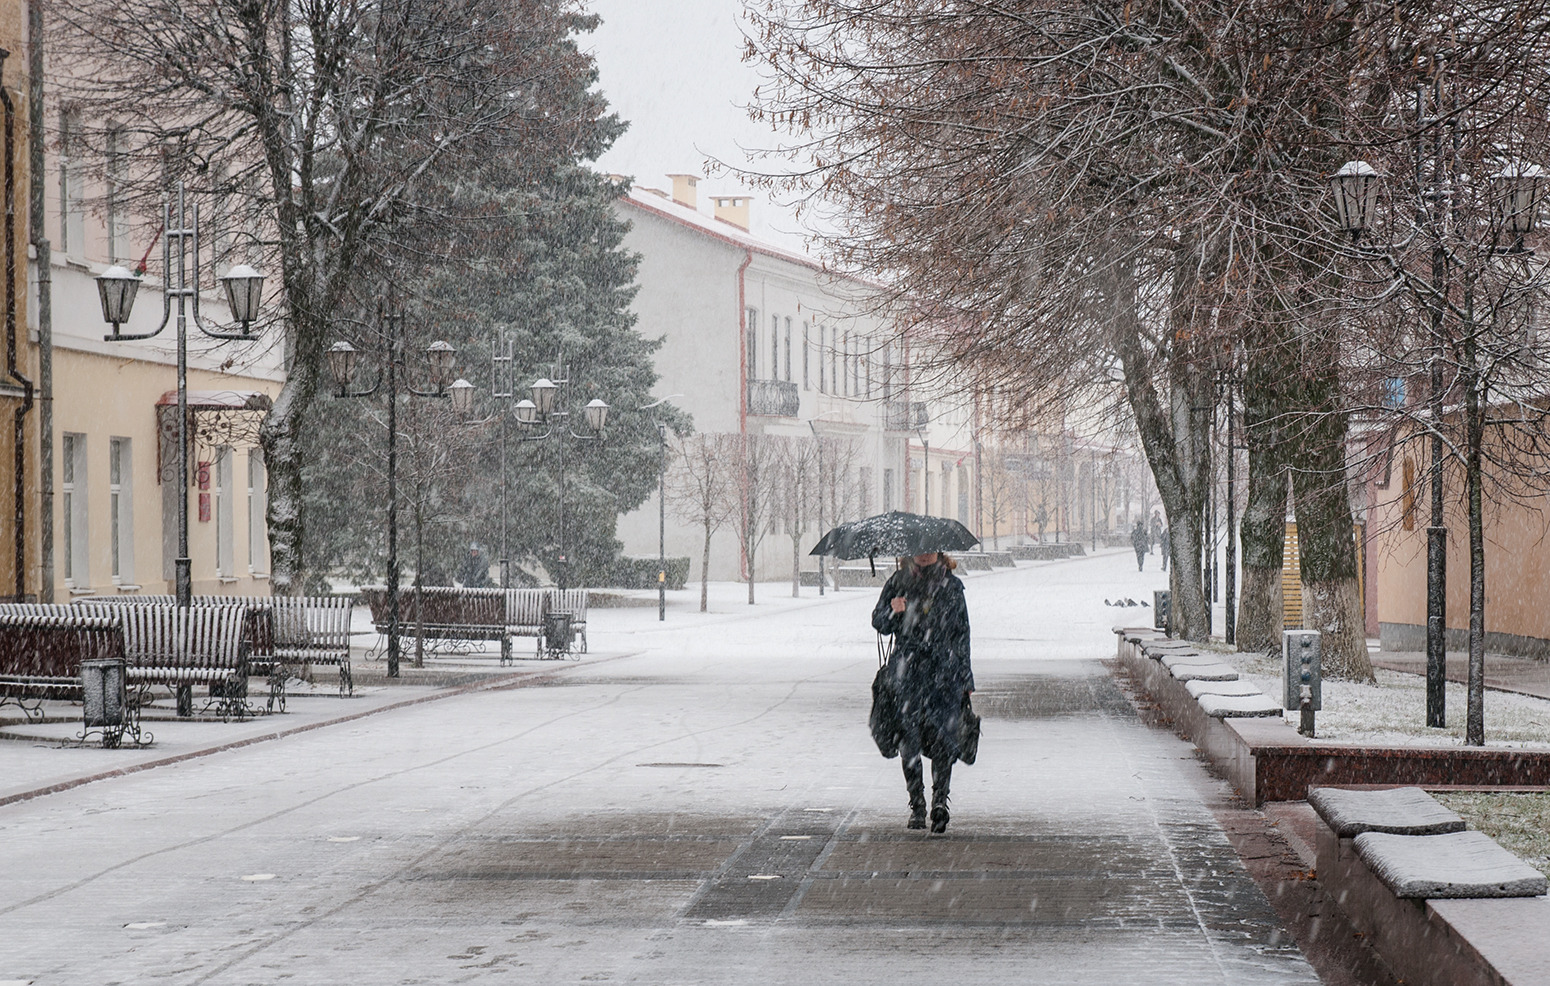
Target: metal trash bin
{"points": [[103, 693], [558, 634]]}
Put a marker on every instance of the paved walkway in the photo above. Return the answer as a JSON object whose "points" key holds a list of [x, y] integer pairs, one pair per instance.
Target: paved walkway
{"points": [[1523, 675], [709, 810]]}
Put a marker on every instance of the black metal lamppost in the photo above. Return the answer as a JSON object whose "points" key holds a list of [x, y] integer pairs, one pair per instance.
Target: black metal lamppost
{"points": [[548, 407], [440, 357], [244, 287], [1517, 189]]}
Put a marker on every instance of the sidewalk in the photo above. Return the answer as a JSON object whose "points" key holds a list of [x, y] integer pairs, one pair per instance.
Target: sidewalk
{"points": [[1523, 675]]}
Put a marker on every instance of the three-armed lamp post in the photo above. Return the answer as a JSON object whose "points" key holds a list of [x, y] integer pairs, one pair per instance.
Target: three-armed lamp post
{"points": [[439, 357], [548, 407], [1516, 191], [244, 287]]}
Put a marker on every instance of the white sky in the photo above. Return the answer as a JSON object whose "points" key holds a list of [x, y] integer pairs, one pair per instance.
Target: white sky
{"points": [[674, 70]]}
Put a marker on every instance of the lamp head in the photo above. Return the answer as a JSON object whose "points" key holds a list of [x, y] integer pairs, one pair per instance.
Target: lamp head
{"points": [[244, 289], [1356, 196], [543, 395], [441, 356], [341, 364], [1518, 187], [526, 412], [462, 397], [597, 414], [116, 288]]}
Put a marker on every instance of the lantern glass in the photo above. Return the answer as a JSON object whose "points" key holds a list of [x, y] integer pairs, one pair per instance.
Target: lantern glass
{"points": [[1518, 187], [341, 364], [116, 288], [543, 395], [462, 397], [1356, 196], [526, 412], [244, 290], [441, 356], [597, 414]]}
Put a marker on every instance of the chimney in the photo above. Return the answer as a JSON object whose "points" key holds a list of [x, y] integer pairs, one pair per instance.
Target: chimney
{"points": [[683, 190], [733, 209]]}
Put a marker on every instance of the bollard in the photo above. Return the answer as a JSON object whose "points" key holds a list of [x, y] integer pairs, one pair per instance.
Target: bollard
{"points": [[1301, 676], [1162, 610]]}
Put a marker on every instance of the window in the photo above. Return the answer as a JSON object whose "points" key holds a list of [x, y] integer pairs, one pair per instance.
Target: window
{"points": [[866, 359], [774, 347], [834, 362], [806, 345], [788, 348], [855, 365], [864, 480], [117, 221], [223, 533], [823, 380], [751, 321], [72, 489], [887, 490], [887, 370], [963, 495], [844, 344], [258, 507], [72, 186], [121, 516]]}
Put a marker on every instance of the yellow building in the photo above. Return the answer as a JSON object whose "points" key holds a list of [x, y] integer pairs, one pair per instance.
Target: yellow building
{"points": [[114, 420]]}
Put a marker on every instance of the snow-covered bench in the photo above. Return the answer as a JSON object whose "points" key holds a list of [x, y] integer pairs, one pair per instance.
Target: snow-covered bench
{"points": [[1424, 891]]}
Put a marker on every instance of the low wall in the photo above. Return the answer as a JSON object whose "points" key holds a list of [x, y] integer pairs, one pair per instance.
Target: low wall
{"points": [[1410, 637], [1268, 760]]}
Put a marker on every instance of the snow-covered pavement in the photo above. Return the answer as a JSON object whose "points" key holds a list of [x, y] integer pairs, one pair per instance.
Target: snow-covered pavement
{"points": [[694, 802]]}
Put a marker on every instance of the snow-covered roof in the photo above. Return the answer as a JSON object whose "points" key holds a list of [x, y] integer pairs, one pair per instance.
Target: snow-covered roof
{"points": [[660, 204]]}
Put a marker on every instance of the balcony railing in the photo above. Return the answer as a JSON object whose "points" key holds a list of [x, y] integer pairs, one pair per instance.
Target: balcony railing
{"points": [[905, 415], [773, 398]]}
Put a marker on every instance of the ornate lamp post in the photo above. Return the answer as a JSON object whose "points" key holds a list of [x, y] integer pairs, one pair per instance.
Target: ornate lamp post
{"points": [[1516, 190], [548, 407], [440, 356], [244, 287]]}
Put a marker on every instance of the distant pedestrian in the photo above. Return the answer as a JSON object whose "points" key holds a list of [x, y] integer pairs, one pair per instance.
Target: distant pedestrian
{"points": [[927, 679], [1140, 540], [1163, 542]]}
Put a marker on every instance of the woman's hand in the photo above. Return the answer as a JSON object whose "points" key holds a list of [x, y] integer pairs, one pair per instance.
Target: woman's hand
{"points": [[897, 604]]}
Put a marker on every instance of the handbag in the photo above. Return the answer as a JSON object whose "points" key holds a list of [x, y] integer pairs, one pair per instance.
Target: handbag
{"points": [[884, 718], [968, 733]]}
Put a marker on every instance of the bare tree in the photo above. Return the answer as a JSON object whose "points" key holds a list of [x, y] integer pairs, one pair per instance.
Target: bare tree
{"points": [[699, 490], [754, 461], [798, 491], [319, 121]]}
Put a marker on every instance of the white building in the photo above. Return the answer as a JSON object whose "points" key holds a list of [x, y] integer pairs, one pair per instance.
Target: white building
{"points": [[761, 340]]}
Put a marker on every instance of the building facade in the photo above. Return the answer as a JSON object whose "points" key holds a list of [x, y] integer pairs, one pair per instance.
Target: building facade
{"points": [[760, 341]]}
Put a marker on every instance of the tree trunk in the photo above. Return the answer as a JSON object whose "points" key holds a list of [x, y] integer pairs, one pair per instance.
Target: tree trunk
{"points": [[1327, 550], [284, 459], [1474, 718], [1262, 531], [796, 566], [705, 572]]}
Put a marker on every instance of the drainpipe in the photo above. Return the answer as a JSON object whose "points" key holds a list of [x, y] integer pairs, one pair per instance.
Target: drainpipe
{"points": [[43, 259], [11, 369], [742, 392]]}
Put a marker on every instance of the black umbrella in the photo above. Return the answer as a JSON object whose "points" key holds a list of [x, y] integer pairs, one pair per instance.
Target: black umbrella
{"points": [[895, 534]]}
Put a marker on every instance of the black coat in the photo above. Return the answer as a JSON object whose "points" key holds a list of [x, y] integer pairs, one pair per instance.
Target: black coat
{"points": [[928, 673]]}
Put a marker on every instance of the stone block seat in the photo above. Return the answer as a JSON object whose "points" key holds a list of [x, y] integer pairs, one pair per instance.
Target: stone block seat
{"points": [[1197, 689], [1451, 865], [1396, 811], [1239, 706], [1173, 659], [1429, 895], [1203, 672]]}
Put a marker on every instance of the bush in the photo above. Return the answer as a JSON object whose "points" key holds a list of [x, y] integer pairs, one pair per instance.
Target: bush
{"points": [[641, 573]]}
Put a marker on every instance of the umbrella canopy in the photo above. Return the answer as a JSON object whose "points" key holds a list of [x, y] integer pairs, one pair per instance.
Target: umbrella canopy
{"points": [[895, 534]]}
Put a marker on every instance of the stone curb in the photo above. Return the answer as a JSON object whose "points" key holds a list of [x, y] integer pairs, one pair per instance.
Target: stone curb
{"points": [[517, 679]]}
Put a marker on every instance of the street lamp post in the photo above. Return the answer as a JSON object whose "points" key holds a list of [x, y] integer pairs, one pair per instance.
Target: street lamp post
{"points": [[661, 508], [1517, 189], [341, 365], [116, 289], [549, 406]]}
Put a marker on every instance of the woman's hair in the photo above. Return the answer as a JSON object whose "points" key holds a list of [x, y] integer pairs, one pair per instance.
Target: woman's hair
{"points": [[947, 560]]}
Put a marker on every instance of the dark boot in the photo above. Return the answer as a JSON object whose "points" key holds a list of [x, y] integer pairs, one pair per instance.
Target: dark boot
{"points": [[915, 783], [941, 781]]}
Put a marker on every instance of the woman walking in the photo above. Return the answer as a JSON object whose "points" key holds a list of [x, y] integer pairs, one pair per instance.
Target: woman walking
{"points": [[927, 676]]}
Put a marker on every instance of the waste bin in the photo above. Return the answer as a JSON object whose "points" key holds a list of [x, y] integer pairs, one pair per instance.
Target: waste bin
{"points": [[558, 633]]}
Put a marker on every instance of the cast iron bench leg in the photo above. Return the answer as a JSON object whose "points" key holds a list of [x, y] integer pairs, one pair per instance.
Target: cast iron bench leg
{"points": [[185, 695]]}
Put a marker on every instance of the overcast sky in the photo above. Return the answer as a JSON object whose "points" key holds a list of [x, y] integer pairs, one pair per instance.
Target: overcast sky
{"points": [[674, 70]]}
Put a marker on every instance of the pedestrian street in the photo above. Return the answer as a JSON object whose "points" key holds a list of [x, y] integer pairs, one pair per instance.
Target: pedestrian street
{"points": [[696, 801]]}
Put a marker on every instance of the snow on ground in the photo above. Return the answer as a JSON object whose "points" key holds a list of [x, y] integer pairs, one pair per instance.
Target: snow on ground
{"points": [[1392, 712]]}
